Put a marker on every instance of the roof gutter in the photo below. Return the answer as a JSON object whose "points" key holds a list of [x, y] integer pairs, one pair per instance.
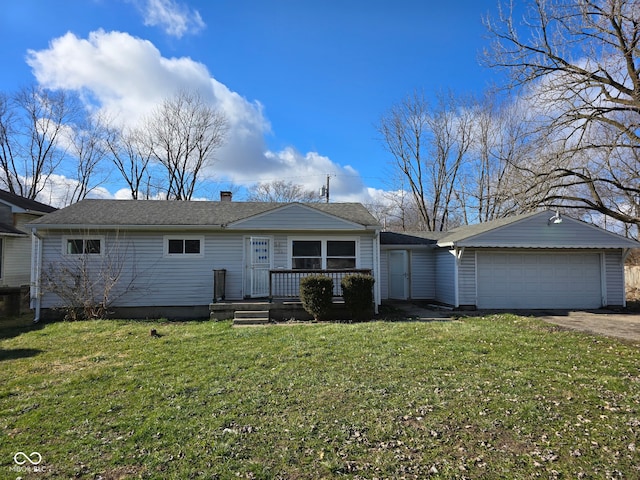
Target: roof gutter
{"points": [[72, 226]]}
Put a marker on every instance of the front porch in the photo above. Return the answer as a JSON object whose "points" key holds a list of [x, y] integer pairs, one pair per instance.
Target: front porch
{"points": [[285, 284], [256, 312], [280, 300]]}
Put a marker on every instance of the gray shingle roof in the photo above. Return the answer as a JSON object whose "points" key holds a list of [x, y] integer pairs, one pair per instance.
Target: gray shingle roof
{"points": [[572, 234], [25, 203], [131, 213]]}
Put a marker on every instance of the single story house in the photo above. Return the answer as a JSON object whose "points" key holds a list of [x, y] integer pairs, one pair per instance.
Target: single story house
{"points": [[536, 260], [15, 238], [176, 258], [158, 258]]}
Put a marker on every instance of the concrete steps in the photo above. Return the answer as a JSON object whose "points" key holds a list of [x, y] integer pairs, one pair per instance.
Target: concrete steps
{"points": [[250, 317]]}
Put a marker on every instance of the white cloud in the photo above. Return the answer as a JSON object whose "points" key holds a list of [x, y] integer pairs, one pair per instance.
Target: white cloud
{"points": [[126, 77], [59, 189], [176, 19]]}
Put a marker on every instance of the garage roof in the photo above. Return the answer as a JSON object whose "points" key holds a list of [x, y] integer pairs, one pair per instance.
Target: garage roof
{"points": [[535, 230]]}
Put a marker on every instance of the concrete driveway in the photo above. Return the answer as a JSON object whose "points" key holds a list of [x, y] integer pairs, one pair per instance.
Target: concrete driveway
{"points": [[625, 326], [603, 322]]}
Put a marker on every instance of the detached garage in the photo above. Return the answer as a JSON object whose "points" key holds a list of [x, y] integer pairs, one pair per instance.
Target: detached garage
{"points": [[533, 261]]}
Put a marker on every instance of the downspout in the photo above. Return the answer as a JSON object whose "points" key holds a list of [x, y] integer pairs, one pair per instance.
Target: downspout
{"points": [[376, 271], [36, 268], [458, 252]]}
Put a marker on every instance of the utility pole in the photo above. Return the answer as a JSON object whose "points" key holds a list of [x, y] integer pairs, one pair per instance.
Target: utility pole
{"points": [[324, 191], [327, 190]]}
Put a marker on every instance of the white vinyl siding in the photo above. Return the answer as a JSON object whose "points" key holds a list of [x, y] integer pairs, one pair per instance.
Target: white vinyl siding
{"points": [[422, 274], [445, 277], [614, 277], [539, 279], [467, 278], [160, 280], [384, 274], [535, 232], [16, 267], [184, 246], [295, 217]]}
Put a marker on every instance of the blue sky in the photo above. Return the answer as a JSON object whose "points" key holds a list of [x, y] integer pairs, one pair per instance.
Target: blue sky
{"points": [[303, 81]]}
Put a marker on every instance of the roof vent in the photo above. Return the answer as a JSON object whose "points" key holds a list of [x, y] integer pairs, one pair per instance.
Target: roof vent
{"points": [[225, 196]]}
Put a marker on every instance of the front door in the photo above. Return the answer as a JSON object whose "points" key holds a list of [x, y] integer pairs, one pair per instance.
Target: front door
{"points": [[398, 274], [259, 264]]}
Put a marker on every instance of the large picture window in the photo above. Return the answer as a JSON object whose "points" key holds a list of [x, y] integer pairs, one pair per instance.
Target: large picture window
{"points": [[184, 246], [323, 254], [83, 246]]}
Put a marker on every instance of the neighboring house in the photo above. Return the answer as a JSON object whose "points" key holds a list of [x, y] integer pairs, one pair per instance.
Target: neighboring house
{"points": [[164, 253], [15, 239], [532, 261]]}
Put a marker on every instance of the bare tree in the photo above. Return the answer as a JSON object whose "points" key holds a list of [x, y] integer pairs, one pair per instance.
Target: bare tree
{"points": [[86, 284], [580, 58], [131, 156], [429, 146], [87, 146], [32, 123], [495, 183], [182, 134], [281, 191]]}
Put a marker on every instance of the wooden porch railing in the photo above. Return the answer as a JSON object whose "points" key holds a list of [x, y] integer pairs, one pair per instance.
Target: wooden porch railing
{"points": [[286, 283]]}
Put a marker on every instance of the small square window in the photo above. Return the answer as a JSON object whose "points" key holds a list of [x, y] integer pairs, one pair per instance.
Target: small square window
{"points": [[92, 246], [192, 246], [75, 247], [176, 246]]}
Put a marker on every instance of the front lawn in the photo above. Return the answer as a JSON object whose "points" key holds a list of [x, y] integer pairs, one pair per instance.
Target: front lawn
{"points": [[496, 397]]}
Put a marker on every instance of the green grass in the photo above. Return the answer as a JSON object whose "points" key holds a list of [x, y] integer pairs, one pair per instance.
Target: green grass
{"points": [[496, 397]]}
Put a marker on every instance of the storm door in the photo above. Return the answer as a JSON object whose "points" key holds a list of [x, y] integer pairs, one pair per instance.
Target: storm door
{"points": [[259, 265]]}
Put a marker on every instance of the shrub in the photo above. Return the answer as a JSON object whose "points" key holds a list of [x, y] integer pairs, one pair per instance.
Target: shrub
{"points": [[357, 291], [316, 293]]}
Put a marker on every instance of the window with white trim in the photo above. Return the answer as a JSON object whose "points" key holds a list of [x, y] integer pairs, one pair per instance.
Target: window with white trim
{"points": [[306, 255], [323, 254], [184, 246], [83, 246]]}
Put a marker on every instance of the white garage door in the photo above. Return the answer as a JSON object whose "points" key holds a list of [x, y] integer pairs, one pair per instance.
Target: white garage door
{"points": [[538, 280]]}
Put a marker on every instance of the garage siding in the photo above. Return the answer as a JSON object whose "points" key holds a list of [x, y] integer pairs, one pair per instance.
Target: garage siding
{"points": [[467, 278], [614, 275]]}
